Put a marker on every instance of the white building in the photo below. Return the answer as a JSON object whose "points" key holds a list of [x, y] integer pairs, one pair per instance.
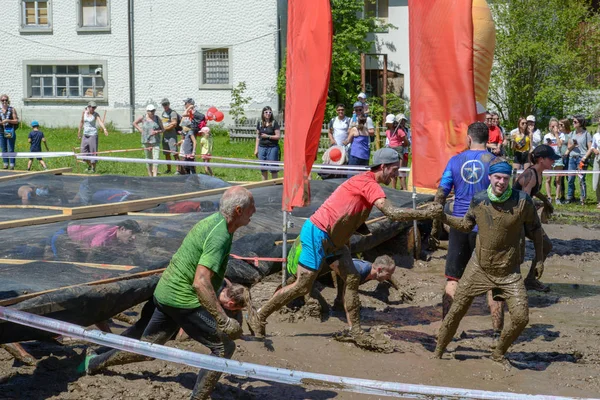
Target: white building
{"points": [[395, 44], [60, 54]]}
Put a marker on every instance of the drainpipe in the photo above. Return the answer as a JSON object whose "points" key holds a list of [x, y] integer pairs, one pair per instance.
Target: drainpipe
{"points": [[131, 65]]}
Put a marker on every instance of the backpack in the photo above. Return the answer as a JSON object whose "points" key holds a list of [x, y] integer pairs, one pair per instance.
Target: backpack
{"points": [[178, 124], [198, 121]]}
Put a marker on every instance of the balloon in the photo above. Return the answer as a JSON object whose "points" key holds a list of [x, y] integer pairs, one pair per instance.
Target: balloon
{"points": [[219, 116], [210, 115], [335, 155], [212, 110]]}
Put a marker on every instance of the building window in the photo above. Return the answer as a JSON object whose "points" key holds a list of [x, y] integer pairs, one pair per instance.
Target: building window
{"points": [[377, 9], [94, 15], [66, 82], [36, 16], [215, 68]]}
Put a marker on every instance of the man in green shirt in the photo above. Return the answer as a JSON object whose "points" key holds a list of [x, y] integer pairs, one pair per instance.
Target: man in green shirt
{"points": [[186, 293]]}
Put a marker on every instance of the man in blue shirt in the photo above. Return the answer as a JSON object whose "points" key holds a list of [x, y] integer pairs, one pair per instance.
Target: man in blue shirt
{"points": [[467, 174]]}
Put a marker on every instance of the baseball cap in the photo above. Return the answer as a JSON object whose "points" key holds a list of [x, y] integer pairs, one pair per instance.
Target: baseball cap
{"points": [[165, 101], [384, 156], [150, 107], [189, 100], [401, 117], [34, 123], [390, 118], [92, 104], [361, 95], [358, 104], [530, 118], [545, 151]]}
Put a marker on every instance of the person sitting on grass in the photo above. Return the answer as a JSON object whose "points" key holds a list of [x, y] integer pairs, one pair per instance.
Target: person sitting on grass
{"points": [[35, 139]]}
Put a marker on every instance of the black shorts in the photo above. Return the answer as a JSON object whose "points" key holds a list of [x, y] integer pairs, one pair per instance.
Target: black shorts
{"points": [[521, 158], [460, 249]]}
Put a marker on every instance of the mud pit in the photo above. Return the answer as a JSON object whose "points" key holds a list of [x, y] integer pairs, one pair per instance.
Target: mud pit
{"points": [[558, 352]]}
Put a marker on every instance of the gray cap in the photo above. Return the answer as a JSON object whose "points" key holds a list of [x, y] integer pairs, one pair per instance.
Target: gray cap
{"points": [[165, 101], [358, 104], [92, 104], [189, 100], [385, 156]]}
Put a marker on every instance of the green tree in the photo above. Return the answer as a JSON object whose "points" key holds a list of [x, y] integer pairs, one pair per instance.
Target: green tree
{"points": [[350, 30], [238, 101], [546, 58]]}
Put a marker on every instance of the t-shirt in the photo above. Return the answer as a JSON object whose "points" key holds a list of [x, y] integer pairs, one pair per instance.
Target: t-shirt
{"points": [[348, 207], [522, 142], [596, 141], [188, 146], [93, 235], [36, 140], [340, 129], [363, 267], [551, 141], [167, 117], [395, 137], [467, 173], [495, 135], [207, 244], [581, 147], [269, 130], [206, 145], [536, 138], [148, 126]]}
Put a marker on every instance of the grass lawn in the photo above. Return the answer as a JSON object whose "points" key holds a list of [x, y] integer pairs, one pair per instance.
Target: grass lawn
{"points": [[65, 139]]}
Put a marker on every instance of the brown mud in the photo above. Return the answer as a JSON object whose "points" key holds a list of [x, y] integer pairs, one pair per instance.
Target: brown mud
{"points": [[558, 352]]}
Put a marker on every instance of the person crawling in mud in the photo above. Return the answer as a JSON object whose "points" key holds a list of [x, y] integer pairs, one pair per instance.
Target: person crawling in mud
{"points": [[32, 194], [501, 214], [186, 294], [530, 181], [325, 235], [87, 195]]}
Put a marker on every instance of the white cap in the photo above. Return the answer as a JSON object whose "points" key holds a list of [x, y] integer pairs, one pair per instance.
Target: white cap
{"points": [[150, 107], [401, 117], [390, 118], [361, 95], [531, 118]]}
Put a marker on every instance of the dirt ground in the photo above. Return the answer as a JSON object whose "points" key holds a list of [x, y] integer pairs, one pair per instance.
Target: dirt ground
{"points": [[557, 354]]}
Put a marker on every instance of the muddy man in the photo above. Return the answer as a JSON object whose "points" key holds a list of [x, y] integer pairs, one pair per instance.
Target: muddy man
{"points": [[324, 236], [501, 215]]}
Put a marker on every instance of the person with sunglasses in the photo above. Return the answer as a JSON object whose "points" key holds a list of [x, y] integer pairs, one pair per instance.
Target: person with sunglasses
{"points": [[580, 141], [8, 126], [89, 141], [521, 144], [267, 141]]}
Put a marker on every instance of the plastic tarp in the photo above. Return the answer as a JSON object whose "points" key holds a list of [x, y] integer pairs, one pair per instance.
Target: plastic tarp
{"points": [[310, 35], [443, 76]]}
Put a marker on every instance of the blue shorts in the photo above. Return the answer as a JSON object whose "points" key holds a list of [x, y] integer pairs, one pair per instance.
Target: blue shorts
{"points": [[268, 154], [311, 251]]}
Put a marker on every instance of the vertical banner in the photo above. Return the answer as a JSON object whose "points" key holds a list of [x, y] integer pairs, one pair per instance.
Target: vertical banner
{"points": [[444, 79], [309, 43]]}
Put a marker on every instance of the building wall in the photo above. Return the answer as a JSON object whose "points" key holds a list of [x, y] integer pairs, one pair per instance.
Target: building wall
{"points": [[168, 37]]}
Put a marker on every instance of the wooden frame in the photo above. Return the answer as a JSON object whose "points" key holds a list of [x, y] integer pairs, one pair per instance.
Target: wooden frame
{"points": [[57, 171], [124, 207]]}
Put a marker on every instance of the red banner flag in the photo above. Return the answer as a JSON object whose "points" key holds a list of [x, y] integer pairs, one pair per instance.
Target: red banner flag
{"points": [[443, 73], [310, 34]]}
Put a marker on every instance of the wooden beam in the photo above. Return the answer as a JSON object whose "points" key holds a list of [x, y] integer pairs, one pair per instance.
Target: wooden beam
{"points": [[18, 299], [32, 207], [124, 207], [113, 267], [25, 175]]}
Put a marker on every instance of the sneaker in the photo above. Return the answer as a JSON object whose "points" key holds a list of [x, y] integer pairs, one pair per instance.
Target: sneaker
{"points": [[536, 285], [256, 326], [557, 201]]}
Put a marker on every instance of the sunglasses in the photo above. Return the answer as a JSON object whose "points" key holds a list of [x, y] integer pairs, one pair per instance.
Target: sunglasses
{"points": [[340, 110], [358, 109], [4, 100], [268, 112]]}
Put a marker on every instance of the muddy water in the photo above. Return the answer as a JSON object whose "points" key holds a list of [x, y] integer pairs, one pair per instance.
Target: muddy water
{"points": [[557, 353]]}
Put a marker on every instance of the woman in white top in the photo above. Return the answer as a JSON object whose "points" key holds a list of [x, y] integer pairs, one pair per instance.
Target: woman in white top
{"points": [[555, 139], [595, 149], [89, 141]]}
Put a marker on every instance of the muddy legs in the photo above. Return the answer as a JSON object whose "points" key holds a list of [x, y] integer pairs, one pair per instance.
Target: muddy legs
{"points": [[519, 318], [460, 306]]}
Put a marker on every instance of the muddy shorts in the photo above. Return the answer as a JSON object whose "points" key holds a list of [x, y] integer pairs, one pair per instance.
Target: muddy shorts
{"points": [[308, 250], [460, 249], [476, 282]]}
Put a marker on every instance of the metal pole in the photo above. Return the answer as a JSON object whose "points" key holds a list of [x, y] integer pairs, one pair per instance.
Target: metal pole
{"points": [[415, 228], [363, 78], [284, 250]]}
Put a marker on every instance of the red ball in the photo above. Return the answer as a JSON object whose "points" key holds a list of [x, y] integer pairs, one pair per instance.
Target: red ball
{"points": [[335, 155], [219, 116], [212, 110]]}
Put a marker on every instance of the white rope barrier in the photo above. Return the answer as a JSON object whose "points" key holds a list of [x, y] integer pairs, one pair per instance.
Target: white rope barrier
{"points": [[257, 371], [47, 154]]}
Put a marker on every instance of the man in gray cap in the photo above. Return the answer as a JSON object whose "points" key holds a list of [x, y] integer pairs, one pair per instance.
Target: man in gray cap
{"points": [[324, 238], [169, 119]]}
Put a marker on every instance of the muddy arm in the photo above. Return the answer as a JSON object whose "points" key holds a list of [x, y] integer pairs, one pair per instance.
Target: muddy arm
{"points": [[533, 230], [465, 224], [432, 211], [206, 294]]}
